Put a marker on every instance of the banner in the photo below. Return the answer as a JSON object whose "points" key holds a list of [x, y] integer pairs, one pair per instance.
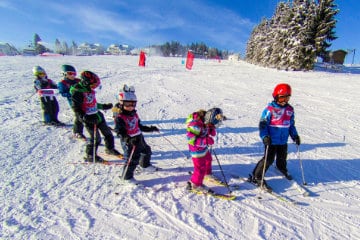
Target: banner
{"points": [[189, 60], [142, 59]]}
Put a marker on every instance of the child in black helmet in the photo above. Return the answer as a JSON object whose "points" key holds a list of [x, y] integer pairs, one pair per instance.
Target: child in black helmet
{"points": [[70, 79], [129, 128], [87, 109], [46, 89]]}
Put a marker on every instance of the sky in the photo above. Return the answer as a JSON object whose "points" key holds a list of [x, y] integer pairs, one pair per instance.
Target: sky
{"points": [[225, 25]]}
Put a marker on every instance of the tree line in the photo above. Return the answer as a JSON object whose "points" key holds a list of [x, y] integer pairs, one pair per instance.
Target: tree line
{"points": [[298, 33]]}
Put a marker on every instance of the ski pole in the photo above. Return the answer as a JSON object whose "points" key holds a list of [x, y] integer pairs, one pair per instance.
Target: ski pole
{"points": [[128, 162], [301, 166], [28, 98], [94, 148], [265, 160], [222, 172], [175, 146]]}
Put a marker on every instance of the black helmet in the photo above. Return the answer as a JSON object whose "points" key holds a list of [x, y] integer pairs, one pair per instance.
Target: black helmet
{"points": [[90, 79], [214, 116]]}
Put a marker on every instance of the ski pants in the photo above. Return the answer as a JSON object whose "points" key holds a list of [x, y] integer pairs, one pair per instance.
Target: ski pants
{"points": [[202, 167], [278, 151], [141, 156], [78, 125], [105, 131], [50, 109]]}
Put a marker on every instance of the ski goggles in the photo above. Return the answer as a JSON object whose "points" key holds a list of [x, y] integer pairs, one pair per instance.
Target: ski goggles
{"points": [[129, 104], [71, 73], [283, 98]]}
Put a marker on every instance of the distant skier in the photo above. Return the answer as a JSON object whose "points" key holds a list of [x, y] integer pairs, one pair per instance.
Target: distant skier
{"points": [[87, 109], [276, 124], [46, 89], [142, 59], [201, 128], [129, 128], [70, 79]]}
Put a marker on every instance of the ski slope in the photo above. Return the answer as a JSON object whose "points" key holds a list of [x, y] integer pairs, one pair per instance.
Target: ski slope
{"points": [[47, 194]]}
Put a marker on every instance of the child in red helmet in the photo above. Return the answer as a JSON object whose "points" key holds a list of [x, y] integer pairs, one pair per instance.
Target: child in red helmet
{"points": [[276, 125], [87, 109]]}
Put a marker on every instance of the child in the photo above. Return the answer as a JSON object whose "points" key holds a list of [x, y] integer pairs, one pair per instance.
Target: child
{"points": [[46, 89], [201, 128], [64, 85], [129, 128], [86, 108], [276, 124]]}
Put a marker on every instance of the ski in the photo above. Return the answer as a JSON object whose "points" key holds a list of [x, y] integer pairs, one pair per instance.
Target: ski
{"points": [[301, 189], [105, 162], [215, 195], [277, 196]]}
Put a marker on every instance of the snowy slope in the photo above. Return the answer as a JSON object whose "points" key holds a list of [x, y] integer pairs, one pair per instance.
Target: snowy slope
{"points": [[44, 195]]}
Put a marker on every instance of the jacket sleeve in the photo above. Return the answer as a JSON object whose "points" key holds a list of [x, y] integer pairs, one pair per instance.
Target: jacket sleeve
{"points": [[120, 127], [77, 101], [264, 123], [292, 130], [63, 90], [144, 128]]}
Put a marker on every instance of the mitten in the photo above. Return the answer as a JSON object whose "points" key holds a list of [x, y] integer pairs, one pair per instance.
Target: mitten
{"points": [[209, 141], [297, 140], [267, 140], [107, 106], [154, 129], [211, 130]]}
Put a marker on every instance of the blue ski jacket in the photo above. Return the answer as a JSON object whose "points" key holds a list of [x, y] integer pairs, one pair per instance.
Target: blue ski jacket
{"points": [[278, 123]]}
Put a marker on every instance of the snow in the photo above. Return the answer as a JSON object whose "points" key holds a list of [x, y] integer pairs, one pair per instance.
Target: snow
{"points": [[44, 195]]}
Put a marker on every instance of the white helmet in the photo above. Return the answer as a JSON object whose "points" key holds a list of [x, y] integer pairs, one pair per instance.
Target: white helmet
{"points": [[127, 94]]}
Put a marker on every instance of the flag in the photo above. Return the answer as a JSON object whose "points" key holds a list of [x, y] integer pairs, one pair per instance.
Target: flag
{"points": [[189, 60], [142, 59]]}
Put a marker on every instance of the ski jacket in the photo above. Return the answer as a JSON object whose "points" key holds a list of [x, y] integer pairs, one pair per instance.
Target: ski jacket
{"points": [[64, 88], [197, 134], [128, 123], [278, 123], [45, 87], [84, 101]]}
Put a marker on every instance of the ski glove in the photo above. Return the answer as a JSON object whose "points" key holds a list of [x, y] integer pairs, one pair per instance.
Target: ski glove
{"points": [[209, 141], [297, 140], [107, 106], [154, 129], [91, 119], [267, 141]]}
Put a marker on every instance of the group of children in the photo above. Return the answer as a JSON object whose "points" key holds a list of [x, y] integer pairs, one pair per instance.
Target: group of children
{"points": [[276, 125]]}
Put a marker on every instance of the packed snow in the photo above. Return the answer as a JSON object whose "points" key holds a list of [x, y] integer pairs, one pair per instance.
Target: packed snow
{"points": [[46, 193]]}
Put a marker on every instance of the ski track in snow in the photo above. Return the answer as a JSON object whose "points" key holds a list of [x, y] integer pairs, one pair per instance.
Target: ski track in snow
{"points": [[43, 196]]}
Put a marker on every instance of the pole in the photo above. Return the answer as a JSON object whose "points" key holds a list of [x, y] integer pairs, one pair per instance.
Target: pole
{"points": [[175, 146], [94, 147], [265, 160], [222, 172], [128, 162], [28, 98], [301, 166]]}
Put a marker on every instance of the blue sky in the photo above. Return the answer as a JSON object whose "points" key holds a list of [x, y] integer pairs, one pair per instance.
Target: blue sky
{"points": [[224, 24]]}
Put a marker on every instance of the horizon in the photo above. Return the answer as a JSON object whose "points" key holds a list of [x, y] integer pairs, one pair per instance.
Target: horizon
{"points": [[223, 25]]}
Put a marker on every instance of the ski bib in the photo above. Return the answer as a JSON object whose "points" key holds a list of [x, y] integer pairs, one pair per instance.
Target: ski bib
{"points": [[46, 92]]}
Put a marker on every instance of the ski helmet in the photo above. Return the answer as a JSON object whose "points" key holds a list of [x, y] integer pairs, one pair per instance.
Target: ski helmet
{"points": [[89, 78], [127, 94], [37, 70], [214, 116], [67, 68], [282, 89]]}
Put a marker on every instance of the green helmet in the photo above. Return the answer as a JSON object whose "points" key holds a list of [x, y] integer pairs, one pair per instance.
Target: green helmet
{"points": [[38, 70], [67, 68]]}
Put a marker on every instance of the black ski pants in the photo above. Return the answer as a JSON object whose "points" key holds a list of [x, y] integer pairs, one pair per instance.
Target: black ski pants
{"points": [[278, 151]]}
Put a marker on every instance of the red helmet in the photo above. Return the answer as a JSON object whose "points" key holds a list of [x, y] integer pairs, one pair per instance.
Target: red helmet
{"points": [[90, 79], [282, 89]]}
